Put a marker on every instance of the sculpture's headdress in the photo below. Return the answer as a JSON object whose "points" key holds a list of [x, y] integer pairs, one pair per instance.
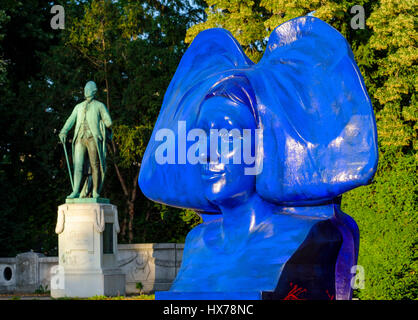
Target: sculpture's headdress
{"points": [[308, 96]]}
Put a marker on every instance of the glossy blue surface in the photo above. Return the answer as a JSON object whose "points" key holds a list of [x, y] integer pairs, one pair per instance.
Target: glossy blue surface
{"points": [[319, 141]]}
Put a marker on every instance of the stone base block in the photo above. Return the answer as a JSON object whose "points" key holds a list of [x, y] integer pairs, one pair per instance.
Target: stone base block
{"points": [[88, 251], [88, 284]]}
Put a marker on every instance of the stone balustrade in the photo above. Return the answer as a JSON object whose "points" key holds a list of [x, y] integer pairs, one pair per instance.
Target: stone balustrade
{"points": [[155, 265]]}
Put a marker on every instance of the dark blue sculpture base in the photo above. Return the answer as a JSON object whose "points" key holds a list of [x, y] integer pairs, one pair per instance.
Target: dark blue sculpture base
{"points": [[311, 269]]}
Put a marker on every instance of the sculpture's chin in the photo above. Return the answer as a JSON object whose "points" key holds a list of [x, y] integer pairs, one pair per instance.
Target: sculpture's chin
{"points": [[227, 199]]}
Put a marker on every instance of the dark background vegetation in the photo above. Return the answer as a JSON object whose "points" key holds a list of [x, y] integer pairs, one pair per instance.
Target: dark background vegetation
{"points": [[132, 49]]}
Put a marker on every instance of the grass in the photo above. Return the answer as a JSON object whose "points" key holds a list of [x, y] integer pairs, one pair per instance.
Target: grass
{"points": [[140, 297], [101, 297]]}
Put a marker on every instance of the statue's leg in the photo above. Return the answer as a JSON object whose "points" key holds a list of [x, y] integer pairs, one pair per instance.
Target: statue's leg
{"points": [[86, 188], [79, 152], [95, 165]]}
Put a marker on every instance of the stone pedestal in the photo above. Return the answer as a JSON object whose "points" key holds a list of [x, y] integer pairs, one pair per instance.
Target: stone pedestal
{"points": [[87, 251]]}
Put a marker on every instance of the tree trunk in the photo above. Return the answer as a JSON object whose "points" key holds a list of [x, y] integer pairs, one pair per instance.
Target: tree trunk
{"points": [[130, 195], [123, 228], [131, 207], [144, 234], [131, 213]]}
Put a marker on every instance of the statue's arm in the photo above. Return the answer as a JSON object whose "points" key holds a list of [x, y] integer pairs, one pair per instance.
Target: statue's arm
{"points": [[70, 122], [104, 113]]}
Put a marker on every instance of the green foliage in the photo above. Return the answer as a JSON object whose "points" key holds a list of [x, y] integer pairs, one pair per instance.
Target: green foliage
{"points": [[386, 52], [102, 297], [243, 18], [3, 20], [42, 290], [395, 42], [139, 286], [29, 167], [163, 222], [386, 214], [132, 142]]}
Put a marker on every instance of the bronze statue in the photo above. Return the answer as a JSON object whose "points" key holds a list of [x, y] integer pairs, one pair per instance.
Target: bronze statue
{"points": [[92, 129]]}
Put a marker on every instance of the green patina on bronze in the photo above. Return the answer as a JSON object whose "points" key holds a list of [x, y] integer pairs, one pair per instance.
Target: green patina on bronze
{"points": [[92, 131]]}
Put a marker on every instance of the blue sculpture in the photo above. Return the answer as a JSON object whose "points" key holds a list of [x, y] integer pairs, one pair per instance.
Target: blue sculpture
{"points": [[279, 227]]}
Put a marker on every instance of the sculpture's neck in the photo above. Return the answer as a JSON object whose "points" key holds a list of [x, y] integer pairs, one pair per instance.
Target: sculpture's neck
{"points": [[239, 221]]}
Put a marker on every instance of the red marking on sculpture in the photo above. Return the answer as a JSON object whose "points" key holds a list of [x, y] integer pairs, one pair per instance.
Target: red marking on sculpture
{"points": [[295, 293], [331, 297]]}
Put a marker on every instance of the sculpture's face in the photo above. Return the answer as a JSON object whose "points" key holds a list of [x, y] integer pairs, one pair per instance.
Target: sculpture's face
{"points": [[225, 181], [90, 90]]}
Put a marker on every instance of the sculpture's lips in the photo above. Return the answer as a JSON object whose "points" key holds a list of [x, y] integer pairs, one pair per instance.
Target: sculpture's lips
{"points": [[211, 171], [211, 175]]}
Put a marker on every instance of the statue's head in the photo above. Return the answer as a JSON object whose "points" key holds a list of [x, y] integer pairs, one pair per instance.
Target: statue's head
{"points": [[90, 90], [299, 123]]}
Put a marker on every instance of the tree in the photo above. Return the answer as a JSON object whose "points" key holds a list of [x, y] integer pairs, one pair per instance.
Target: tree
{"points": [[45, 78], [243, 18], [388, 218], [134, 48], [394, 41], [26, 175], [94, 35], [3, 20]]}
